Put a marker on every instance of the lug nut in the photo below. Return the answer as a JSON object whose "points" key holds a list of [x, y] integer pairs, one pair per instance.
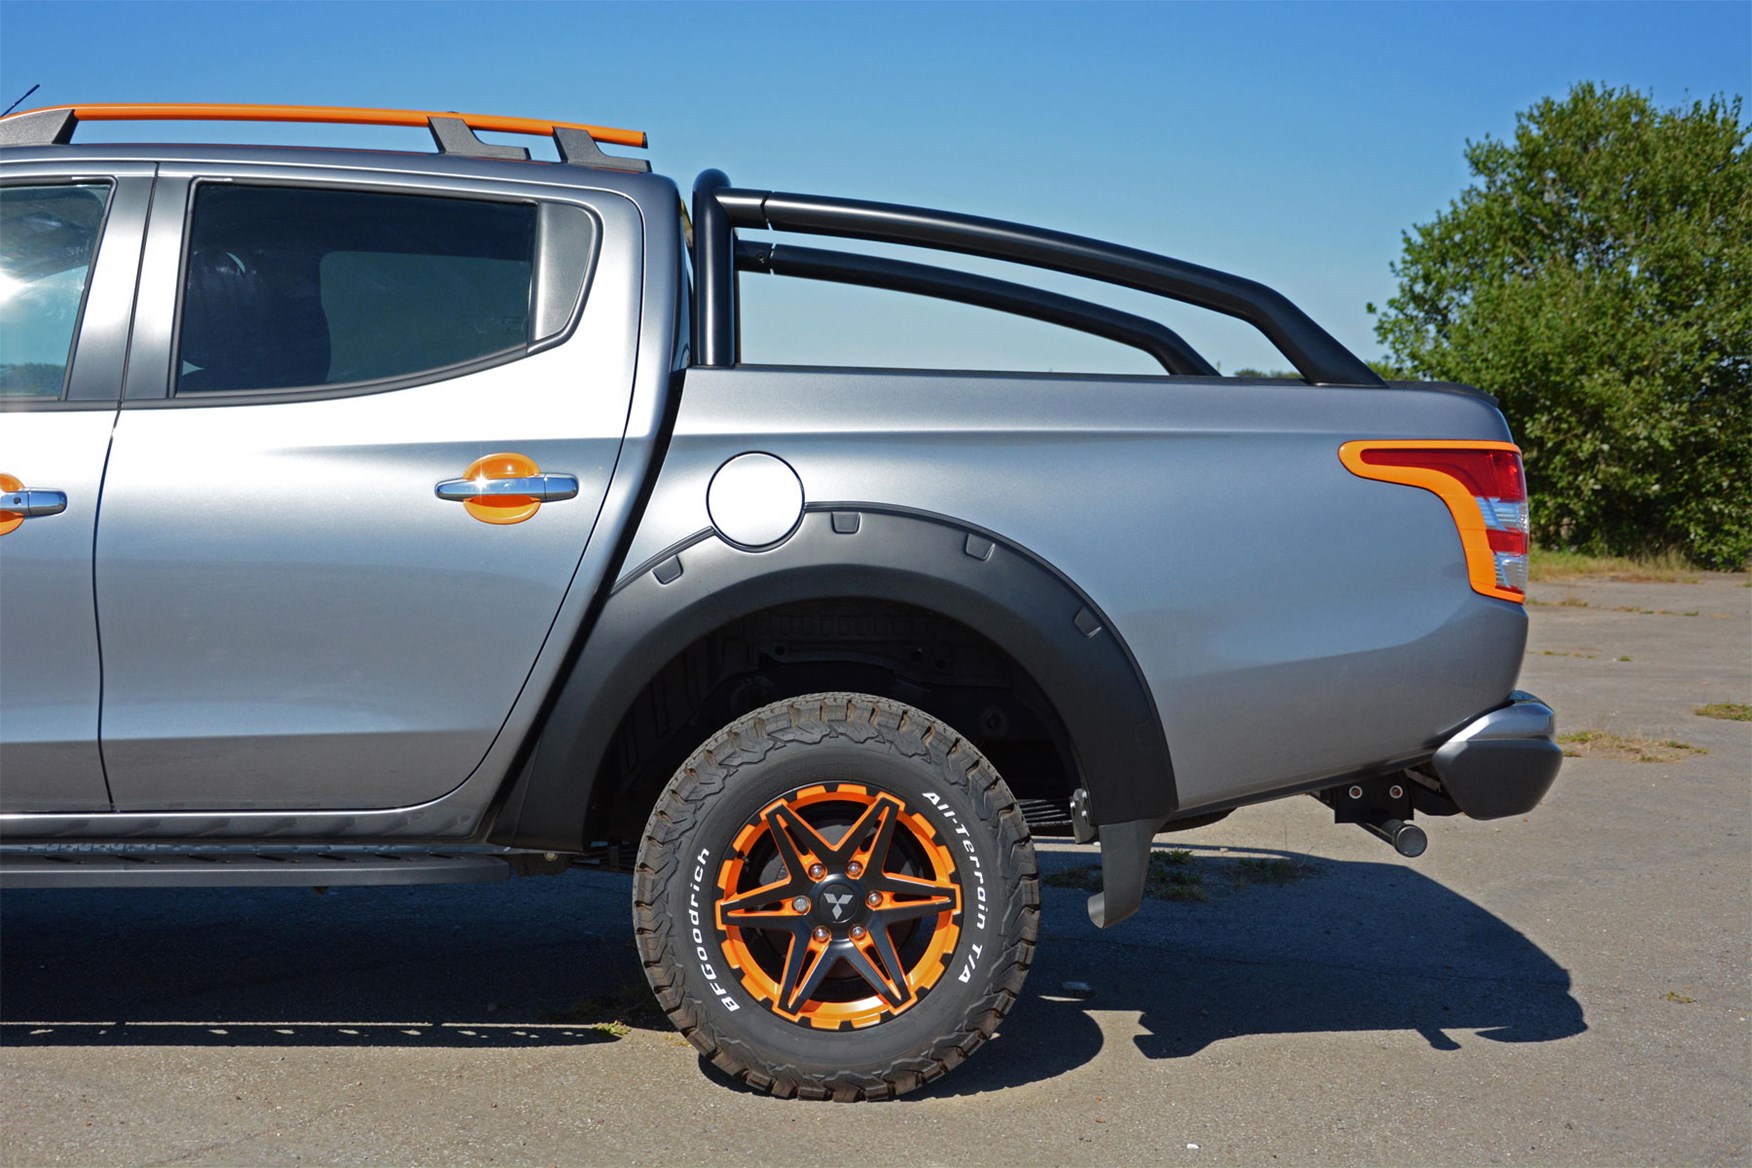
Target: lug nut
{"points": [[801, 904], [816, 871], [854, 869], [874, 899], [820, 933], [857, 932]]}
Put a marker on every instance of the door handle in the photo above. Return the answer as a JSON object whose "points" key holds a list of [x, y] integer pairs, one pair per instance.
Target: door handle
{"points": [[506, 488], [543, 488], [17, 503], [34, 503]]}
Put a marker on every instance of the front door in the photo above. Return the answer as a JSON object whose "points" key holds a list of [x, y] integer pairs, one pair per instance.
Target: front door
{"points": [[302, 606], [69, 250]]}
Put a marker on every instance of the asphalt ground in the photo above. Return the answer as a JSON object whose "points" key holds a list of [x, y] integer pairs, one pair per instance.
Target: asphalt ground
{"points": [[1567, 988]]}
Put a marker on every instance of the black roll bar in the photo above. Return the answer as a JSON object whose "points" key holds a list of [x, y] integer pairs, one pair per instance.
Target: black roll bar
{"points": [[1315, 353], [715, 333], [843, 267]]}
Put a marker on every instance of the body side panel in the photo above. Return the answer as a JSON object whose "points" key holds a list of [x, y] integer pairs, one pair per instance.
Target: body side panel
{"points": [[1009, 597], [460, 812], [1292, 621]]}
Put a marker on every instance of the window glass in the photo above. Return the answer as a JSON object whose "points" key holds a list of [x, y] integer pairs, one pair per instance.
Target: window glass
{"points": [[48, 236], [292, 288]]}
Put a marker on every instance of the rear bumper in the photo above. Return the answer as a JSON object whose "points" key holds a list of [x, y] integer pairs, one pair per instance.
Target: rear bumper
{"points": [[1501, 763]]}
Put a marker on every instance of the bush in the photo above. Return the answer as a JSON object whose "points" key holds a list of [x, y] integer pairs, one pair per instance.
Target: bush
{"points": [[1597, 278]]}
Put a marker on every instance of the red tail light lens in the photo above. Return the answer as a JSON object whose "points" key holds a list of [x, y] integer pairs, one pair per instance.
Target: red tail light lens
{"points": [[1486, 492]]}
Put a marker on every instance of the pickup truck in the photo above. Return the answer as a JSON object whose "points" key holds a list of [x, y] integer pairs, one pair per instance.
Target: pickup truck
{"points": [[374, 517]]}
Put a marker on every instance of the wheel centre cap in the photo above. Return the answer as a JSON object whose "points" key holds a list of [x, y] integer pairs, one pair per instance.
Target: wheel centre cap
{"points": [[838, 902]]}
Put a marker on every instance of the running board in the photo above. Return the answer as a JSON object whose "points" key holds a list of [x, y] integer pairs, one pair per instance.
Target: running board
{"points": [[160, 867]]}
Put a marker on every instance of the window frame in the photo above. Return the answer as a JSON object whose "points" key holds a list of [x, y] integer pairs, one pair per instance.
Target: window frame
{"points": [[93, 272], [544, 255]]}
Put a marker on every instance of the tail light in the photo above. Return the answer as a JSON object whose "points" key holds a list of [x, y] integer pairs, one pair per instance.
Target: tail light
{"points": [[1485, 490]]}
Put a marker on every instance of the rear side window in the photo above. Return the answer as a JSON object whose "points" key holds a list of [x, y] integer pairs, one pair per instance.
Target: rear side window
{"points": [[48, 236], [303, 288]]}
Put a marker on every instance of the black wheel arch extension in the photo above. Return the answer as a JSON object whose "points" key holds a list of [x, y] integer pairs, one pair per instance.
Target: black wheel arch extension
{"points": [[958, 571]]}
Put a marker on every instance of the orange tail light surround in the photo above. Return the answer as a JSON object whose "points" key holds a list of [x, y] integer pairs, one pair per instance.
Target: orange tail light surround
{"points": [[1485, 489]]}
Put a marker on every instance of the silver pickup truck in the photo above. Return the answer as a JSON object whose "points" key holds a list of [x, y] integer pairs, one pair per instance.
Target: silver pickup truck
{"points": [[383, 517]]}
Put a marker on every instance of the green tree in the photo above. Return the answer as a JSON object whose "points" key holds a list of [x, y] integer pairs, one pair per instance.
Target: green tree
{"points": [[1597, 278]]}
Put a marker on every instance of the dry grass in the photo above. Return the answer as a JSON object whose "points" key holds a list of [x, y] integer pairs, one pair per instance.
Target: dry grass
{"points": [[1272, 870], [1727, 711], [1633, 747], [1085, 877], [1578, 602], [1173, 877], [615, 1014], [1548, 565]]}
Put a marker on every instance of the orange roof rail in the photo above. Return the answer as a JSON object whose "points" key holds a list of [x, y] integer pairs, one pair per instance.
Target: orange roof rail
{"points": [[454, 132]]}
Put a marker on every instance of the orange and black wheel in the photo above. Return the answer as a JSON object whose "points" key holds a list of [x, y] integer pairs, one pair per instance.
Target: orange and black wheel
{"points": [[836, 897]]}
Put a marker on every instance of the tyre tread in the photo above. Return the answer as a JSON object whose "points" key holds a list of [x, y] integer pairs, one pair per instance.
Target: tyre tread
{"points": [[805, 721]]}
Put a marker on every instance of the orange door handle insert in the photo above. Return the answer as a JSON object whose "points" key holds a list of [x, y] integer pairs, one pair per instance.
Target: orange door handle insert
{"points": [[506, 488]]}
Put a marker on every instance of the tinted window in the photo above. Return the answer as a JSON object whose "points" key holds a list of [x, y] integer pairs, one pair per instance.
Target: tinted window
{"points": [[48, 236], [298, 288]]}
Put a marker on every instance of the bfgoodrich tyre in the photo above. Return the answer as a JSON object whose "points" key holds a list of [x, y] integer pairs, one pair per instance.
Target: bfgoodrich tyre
{"points": [[836, 898]]}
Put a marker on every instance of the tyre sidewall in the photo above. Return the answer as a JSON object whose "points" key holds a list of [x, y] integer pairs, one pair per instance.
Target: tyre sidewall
{"points": [[932, 785]]}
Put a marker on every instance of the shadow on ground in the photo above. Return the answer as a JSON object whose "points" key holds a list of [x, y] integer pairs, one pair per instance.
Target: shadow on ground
{"points": [[536, 962], [1348, 947]]}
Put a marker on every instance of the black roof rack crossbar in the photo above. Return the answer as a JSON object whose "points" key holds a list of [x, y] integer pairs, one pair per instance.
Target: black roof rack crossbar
{"points": [[1315, 353], [841, 267]]}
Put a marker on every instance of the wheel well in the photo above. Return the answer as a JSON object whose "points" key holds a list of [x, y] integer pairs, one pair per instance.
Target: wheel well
{"points": [[879, 647]]}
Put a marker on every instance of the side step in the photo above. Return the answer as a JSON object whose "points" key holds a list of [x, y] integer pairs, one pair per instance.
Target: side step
{"points": [[65, 866]]}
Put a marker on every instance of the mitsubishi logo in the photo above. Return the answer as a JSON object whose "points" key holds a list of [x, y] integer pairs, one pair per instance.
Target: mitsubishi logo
{"points": [[838, 902]]}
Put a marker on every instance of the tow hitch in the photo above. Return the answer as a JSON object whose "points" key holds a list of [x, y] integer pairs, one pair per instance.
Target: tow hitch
{"points": [[1381, 807]]}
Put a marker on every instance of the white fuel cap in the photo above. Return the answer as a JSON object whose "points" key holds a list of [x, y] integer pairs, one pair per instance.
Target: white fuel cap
{"points": [[755, 500]]}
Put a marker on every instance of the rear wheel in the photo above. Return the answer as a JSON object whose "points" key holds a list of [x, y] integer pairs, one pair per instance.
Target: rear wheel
{"points": [[836, 897]]}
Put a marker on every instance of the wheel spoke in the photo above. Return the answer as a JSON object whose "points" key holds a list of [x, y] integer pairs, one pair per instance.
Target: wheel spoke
{"points": [[907, 910], [806, 964], [757, 898], [907, 886], [780, 918], [797, 842], [882, 812], [890, 983], [891, 963]]}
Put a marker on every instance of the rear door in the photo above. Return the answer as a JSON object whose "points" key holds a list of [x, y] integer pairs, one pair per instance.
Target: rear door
{"points": [[69, 251], [301, 604]]}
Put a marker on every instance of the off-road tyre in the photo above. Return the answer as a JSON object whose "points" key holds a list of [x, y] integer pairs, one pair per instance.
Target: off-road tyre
{"points": [[755, 789]]}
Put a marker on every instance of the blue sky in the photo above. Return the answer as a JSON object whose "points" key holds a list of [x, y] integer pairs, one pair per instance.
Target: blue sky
{"points": [[1291, 143]]}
